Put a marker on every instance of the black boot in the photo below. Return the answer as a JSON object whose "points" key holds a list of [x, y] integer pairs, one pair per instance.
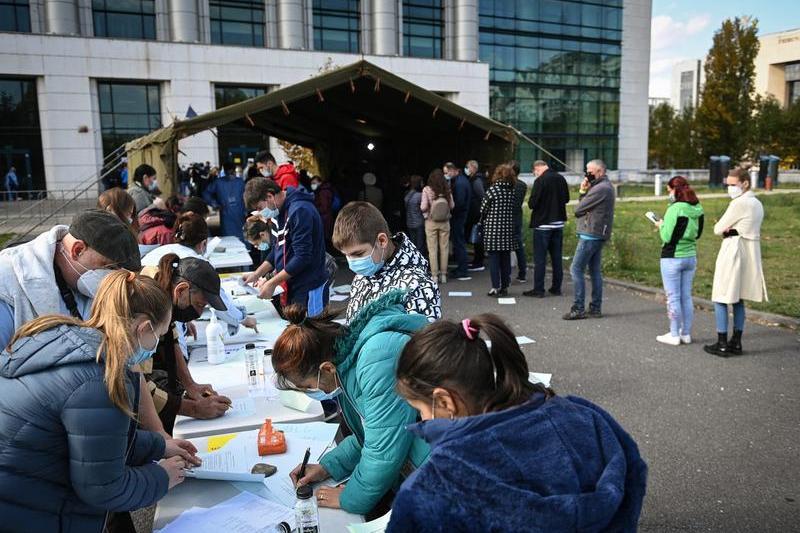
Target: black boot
{"points": [[719, 349], [735, 344]]}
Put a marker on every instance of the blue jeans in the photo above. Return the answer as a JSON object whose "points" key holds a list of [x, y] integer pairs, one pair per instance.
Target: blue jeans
{"points": [[522, 265], [458, 227], [547, 241], [588, 253], [677, 274], [721, 314], [500, 269]]}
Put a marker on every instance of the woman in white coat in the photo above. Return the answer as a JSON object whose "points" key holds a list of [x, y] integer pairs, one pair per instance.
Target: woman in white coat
{"points": [[738, 275]]}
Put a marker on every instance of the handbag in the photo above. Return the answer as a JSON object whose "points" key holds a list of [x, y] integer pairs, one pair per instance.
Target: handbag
{"points": [[476, 234]]}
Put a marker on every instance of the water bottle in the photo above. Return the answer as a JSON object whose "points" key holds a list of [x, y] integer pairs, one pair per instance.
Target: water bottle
{"points": [[251, 366], [270, 390], [305, 510], [214, 344]]}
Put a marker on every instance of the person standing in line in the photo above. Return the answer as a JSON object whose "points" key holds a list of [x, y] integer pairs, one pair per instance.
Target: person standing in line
{"points": [[478, 186], [595, 213], [324, 197], [437, 203], [738, 274], [415, 221], [679, 230], [462, 195], [497, 217], [144, 188], [11, 184], [548, 201], [226, 195], [284, 175], [520, 190]]}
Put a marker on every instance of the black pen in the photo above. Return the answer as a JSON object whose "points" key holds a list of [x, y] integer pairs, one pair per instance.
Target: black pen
{"points": [[305, 463]]}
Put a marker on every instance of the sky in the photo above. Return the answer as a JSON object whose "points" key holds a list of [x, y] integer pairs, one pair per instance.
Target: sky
{"points": [[684, 29]]}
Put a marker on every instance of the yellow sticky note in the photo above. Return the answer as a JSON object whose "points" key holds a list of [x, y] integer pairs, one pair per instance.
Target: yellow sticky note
{"points": [[218, 441]]}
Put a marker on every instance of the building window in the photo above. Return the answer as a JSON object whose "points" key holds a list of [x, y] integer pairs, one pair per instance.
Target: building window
{"points": [[237, 142], [794, 92], [687, 90], [15, 15], [128, 19], [337, 25], [20, 135], [237, 22], [423, 28], [127, 110]]}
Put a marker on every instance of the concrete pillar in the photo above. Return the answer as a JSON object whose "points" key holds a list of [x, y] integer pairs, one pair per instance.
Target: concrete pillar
{"points": [[384, 27], [466, 30], [291, 24], [183, 21], [61, 16]]}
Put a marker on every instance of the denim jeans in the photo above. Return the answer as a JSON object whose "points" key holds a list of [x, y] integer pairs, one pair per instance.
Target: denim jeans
{"points": [[500, 269], [721, 314], [522, 265], [458, 228], [588, 253], [677, 274], [547, 241]]}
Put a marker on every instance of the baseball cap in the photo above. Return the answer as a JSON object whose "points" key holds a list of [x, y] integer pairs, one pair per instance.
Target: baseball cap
{"points": [[202, 276], [105, 233]]}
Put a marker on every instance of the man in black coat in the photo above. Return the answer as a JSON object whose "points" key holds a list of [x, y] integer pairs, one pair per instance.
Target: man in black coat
{"points": [[548, 200]]}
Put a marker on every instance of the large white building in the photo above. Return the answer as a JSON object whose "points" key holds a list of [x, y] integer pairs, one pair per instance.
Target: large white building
{"points": [[778, 66], [688, 78], [80, 77]]}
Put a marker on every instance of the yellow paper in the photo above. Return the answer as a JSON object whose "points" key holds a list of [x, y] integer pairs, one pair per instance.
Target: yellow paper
{"points": [[218, 441]]}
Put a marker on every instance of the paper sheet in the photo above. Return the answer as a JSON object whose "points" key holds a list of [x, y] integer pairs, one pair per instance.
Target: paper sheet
{"points": [[378, 525], [339, 297], [341, 321], [243, 513], [525, 340], [506, 301], [537, 377], [342, 289], [461, 294], [241, 407]]}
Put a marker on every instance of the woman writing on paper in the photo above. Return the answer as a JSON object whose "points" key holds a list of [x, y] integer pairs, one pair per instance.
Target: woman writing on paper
{"points": [[507, 454], [71, 452], [355, 365]]}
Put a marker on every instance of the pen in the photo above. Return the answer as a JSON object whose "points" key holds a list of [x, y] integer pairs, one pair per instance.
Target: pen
{"points": [[305, 463]]}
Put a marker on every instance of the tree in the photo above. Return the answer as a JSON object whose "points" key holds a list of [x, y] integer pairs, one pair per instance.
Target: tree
{"points": [[673, 142], [662, 118], [768, 128], [726, 103]]}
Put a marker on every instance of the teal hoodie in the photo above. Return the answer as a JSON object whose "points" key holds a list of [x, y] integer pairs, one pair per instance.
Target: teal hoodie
{"points": [[380, 446], [683, 225]]}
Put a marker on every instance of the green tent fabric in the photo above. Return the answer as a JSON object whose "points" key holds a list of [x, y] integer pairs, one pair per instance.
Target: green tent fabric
{"points": [[338, 113]]}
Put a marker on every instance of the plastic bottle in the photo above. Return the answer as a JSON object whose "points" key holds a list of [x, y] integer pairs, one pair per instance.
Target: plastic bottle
{"points": [[251, 367], [306, 513], [214, 344]]}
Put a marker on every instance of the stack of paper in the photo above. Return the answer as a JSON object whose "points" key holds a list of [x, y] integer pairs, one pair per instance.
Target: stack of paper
{"points": [[378, 525], [244, 512]]}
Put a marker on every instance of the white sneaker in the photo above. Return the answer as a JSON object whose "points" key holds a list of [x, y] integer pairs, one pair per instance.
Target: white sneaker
{"points": [[668, 338], [442, 278], [686, 339]]}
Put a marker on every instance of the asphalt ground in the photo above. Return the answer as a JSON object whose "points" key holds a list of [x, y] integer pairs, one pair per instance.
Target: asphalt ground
{"points": [[721, 436]]}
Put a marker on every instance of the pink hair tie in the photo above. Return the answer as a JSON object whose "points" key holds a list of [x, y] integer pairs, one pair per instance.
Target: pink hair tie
{"points": [[469, 330]]}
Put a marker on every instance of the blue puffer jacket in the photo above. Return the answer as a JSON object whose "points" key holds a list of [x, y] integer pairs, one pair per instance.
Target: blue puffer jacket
{"points": [[67, 452], [562, 465]]}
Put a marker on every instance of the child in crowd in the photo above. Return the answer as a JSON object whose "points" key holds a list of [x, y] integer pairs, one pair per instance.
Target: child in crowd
{"points": [[383, 262], [507, 454]]}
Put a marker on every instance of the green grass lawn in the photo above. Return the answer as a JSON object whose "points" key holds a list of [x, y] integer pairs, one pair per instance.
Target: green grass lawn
{"points": [[5, 237], [634, 251]]}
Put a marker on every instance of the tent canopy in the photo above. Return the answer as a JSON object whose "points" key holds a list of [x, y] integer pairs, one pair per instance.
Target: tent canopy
{"points": [[337, 114]]}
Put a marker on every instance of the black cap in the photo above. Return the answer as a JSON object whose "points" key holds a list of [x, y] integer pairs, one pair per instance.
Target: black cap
{"points": [[202, 276], [109, 236], [304, 492]]}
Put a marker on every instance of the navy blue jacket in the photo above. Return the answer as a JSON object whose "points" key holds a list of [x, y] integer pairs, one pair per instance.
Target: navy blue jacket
{"points": [[67, 454], [462, 196], [301, 240], [545, 466], [227, 194]]}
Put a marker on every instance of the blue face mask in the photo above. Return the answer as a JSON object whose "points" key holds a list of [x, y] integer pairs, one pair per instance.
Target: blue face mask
{"points": [[263, 246], [269, 213], [365, 265], [142, 354], [319, 394]]}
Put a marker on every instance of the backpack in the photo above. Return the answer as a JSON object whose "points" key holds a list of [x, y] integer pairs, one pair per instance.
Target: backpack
{"points": [[440, 209]]}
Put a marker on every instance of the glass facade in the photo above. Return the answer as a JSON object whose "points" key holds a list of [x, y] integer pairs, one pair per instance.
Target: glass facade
{"points": [[555, 74], [237, 22], [125, 19], [423, 28], [127, 111], [20, 134], [236, 143], [687, 89], [337, 25], [15, 15]]}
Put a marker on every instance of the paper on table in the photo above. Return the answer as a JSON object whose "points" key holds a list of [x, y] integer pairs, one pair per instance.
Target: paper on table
{"points": [[537, 377], [241, 407], [506, 301], [212, 245], [231, 462], [339, 297], [457, 293], [318, 431], [342, 289], [378, 525], [243, 513], [295, 400]]}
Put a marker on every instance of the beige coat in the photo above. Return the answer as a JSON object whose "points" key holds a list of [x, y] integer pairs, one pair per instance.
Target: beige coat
{"points": [[738, 274]]}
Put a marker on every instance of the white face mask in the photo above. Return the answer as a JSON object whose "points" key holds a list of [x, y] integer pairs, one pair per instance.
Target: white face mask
{"points": [[90, 280], [314, 186], [734, 191], [265, 172]]}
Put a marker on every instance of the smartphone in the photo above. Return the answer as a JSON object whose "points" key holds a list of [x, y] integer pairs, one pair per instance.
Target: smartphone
{"points": [[652, 217]]}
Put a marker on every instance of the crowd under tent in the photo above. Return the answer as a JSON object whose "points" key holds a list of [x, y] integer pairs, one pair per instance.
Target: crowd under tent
{"points": [[358, 118]]}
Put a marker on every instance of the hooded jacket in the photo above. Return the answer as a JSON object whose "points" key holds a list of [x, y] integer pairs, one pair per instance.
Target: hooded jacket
{"points": [[156, 226], [67, 454], [562, 465], [407, 270], [227, 194], [298, 244], [683, 225], [379, 447], [286, 176]]}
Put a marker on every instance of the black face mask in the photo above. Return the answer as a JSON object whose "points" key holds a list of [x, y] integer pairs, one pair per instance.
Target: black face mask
{"points": [[184, 315]]}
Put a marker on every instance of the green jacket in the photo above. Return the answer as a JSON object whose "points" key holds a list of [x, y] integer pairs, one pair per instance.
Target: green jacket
{"points": [[380, 446], [683, 225]]}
